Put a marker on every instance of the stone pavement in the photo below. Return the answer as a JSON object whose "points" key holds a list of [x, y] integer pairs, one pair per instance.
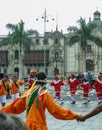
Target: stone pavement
{"points": [[94, 123]]}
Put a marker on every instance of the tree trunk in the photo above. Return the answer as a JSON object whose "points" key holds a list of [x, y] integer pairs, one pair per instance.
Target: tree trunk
{"points": [[84, 60], [20, 67], [20, 62]]}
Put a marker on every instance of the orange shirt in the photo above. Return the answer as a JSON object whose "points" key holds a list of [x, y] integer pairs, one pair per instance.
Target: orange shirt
{"points": [[36, 119], [13, 87], [3, 91]]}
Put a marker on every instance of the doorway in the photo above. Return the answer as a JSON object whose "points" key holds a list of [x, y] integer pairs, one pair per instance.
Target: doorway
{"points": [[89, 65]]}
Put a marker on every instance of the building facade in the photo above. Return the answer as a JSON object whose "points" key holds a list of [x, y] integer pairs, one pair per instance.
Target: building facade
{"points": [[93, 60], [53, 56], [47, 57]]}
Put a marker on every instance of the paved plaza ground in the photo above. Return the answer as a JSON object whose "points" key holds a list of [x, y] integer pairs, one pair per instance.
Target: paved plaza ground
{"points": [[94, 123]]}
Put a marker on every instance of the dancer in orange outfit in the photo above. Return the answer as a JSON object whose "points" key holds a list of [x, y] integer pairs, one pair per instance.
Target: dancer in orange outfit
{"points": [[4, 86], [14, 87], [39, 100]]}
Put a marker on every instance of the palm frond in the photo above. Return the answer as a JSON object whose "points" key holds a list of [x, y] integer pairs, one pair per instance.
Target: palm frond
{"points": [[32, 32], [73, 40], [84, 34], [96, 40], [5, 41], [91, 26], [11, 27]]}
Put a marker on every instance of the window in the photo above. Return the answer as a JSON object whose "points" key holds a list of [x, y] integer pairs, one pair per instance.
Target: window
{"points": [[16, 55], [89, 49], [56, 41], [36, 57], [16, 70], [4, 58], [45, 41], [89, 65], [56, 55], [5, 70], [37, 41], [28, 71]]}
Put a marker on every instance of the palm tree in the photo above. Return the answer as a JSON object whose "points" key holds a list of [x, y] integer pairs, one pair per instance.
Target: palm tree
{"points": [[82, 36], [72, 29], [21, 37]]}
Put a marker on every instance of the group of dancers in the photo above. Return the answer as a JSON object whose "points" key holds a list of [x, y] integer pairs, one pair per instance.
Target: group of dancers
{"points": [[75, 84], [85, 84], [36, 99], [10, 86]]}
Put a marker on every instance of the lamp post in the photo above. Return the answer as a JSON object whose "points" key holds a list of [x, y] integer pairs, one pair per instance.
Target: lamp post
{"points": [[45, 18], [78, 57], [1, 64], [98, 61]]}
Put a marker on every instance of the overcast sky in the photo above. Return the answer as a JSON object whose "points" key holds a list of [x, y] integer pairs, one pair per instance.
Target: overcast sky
{"points": [[65, 12]]}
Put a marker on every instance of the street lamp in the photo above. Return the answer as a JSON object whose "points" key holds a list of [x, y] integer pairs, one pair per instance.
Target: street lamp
{"points": [[1, 64], [98, 60], [46, 19], [78, 57]]}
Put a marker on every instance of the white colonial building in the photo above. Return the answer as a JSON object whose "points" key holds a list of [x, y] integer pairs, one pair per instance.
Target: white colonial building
{"points": [[54, 57]]}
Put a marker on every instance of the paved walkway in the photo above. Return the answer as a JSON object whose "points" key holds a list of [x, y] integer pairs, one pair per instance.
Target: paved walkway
{"points": [[94, 123]]}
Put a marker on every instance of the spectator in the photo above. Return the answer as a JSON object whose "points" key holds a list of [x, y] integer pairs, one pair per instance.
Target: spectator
{"points": [[11, 122], [89, 78], [19, 124], [79, 77]]}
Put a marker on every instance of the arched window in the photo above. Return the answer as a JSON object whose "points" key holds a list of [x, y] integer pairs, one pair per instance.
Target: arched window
{"points": [[56, 40], [5, 70], [16, 55], [16, 70], [89, 65], [28, 71], [37, 41], [89, 49], [45, 41], [56, 55]]}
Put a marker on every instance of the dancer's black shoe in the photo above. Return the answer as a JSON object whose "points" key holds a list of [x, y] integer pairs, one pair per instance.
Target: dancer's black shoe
{"points": [[99, 103], [73, 102]]}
